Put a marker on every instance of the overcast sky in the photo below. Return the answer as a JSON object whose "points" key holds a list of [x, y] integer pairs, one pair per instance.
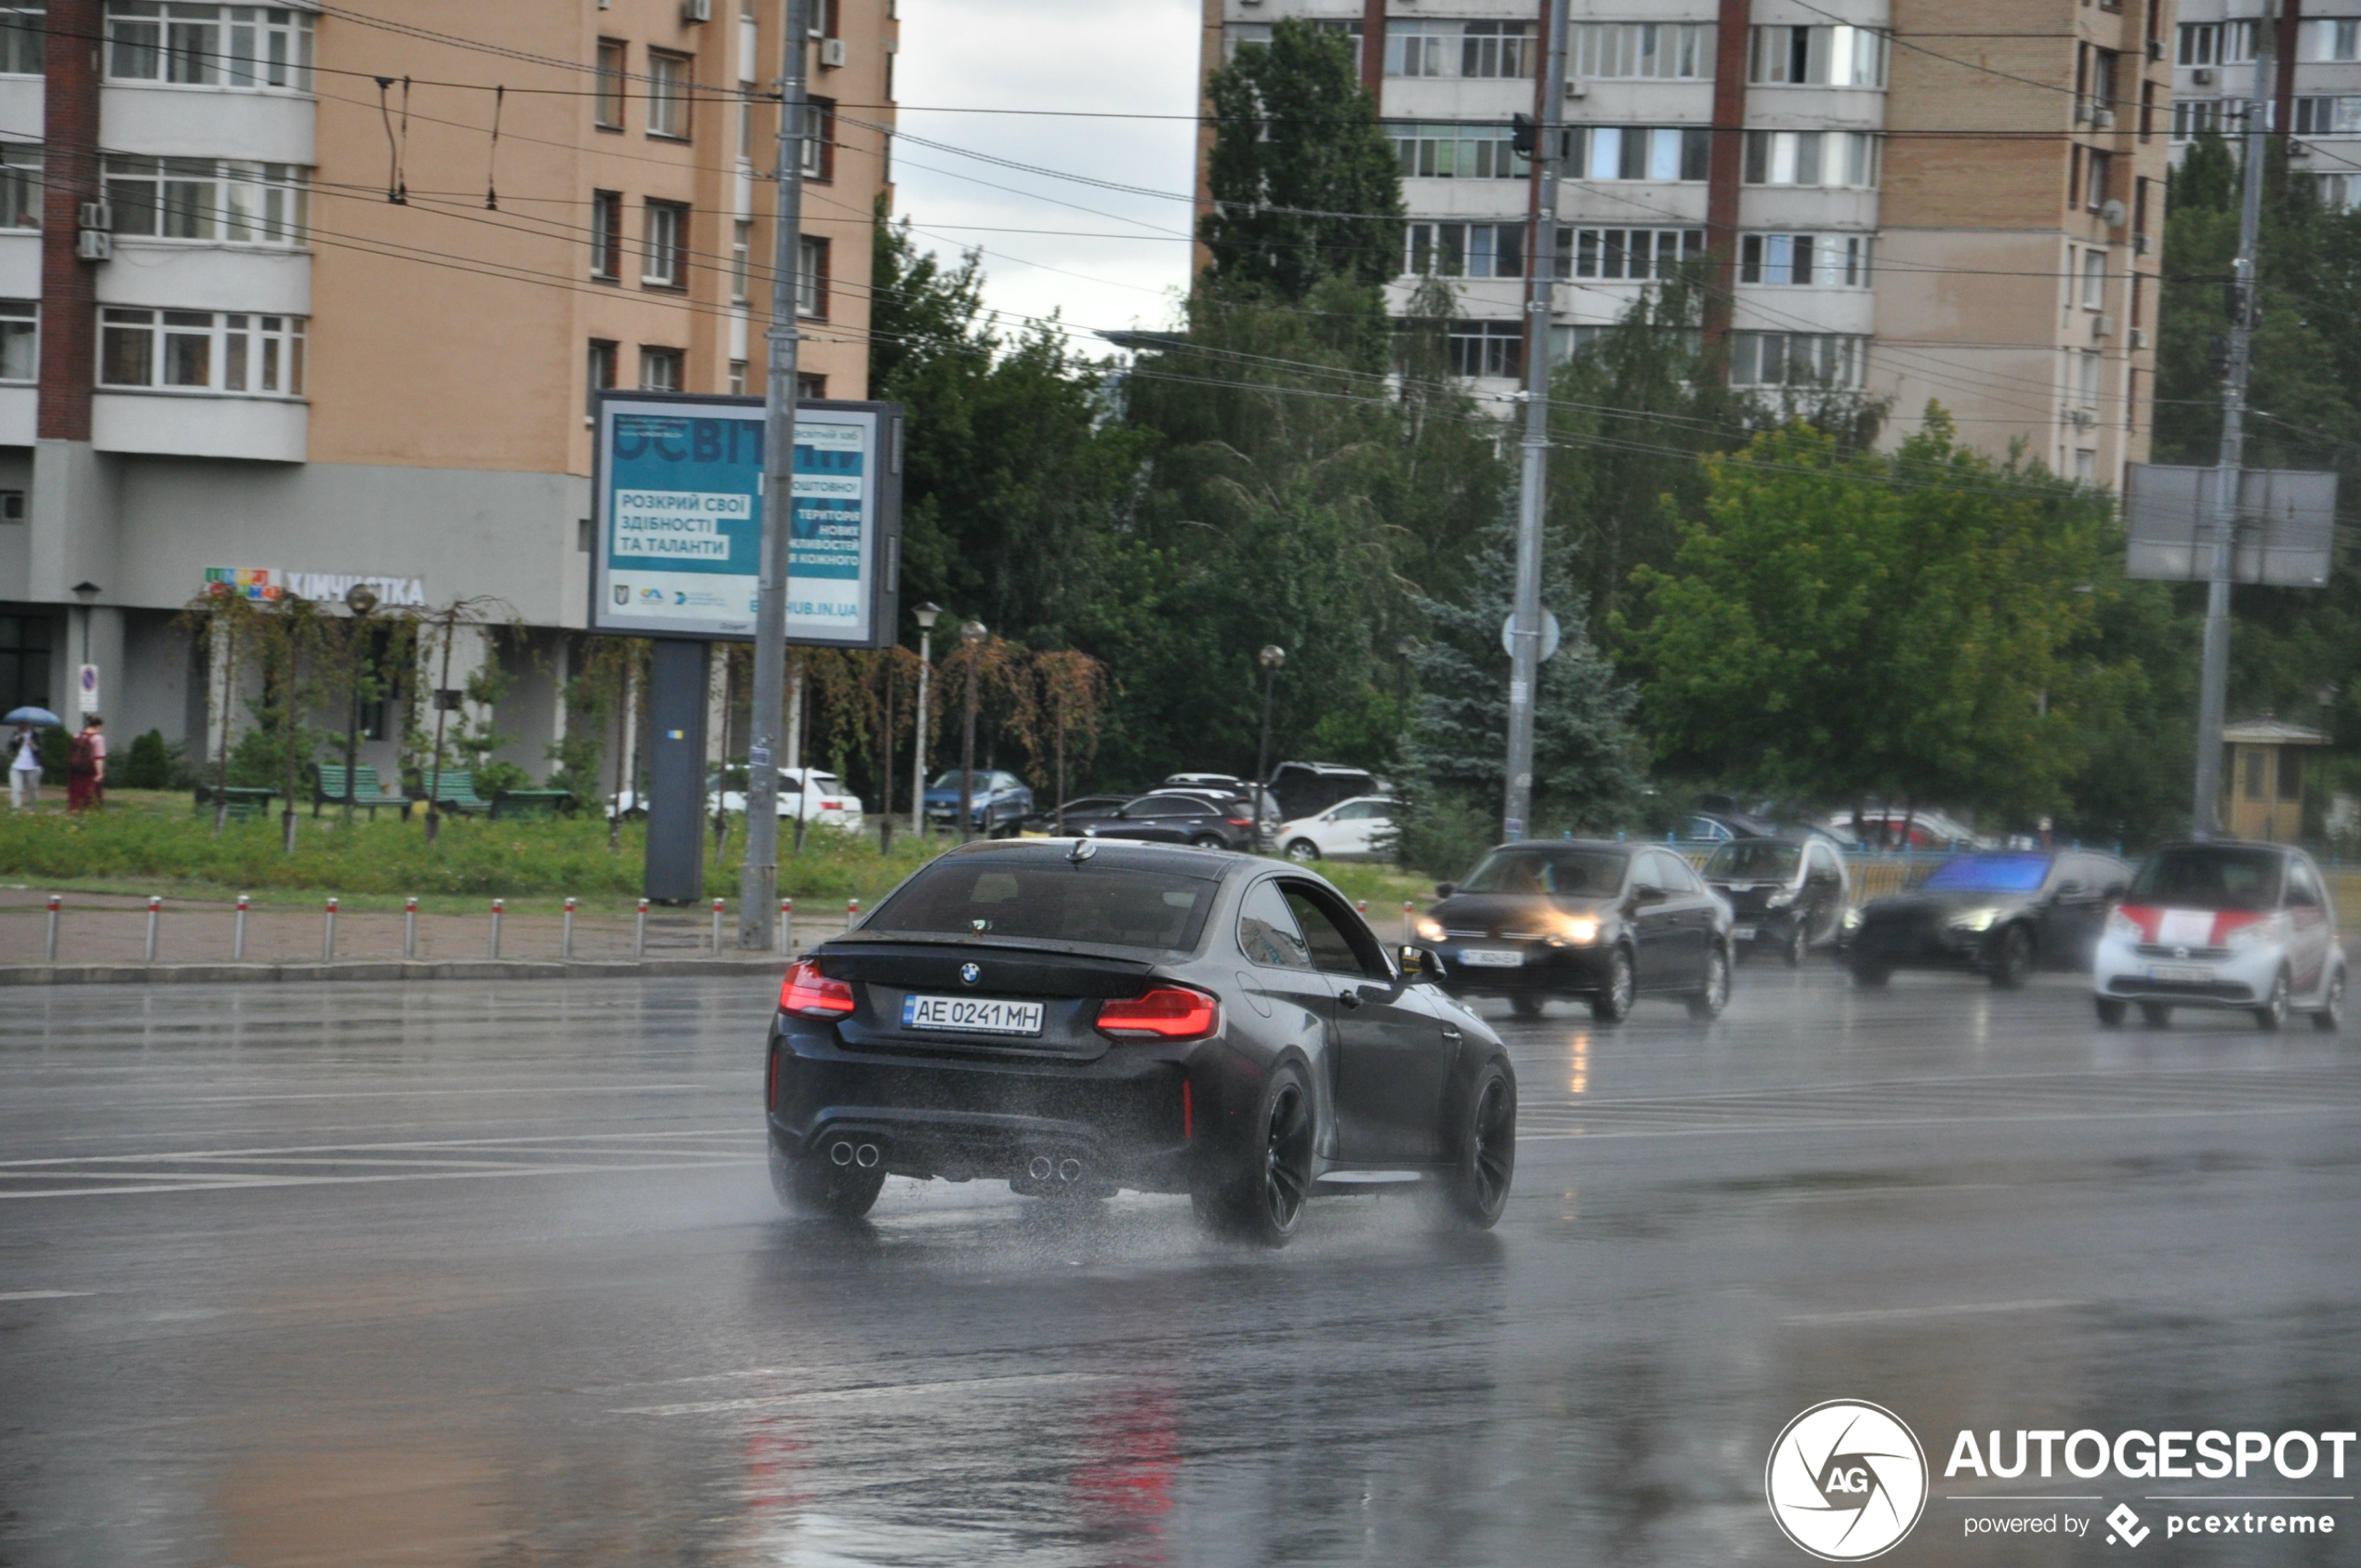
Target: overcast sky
{"points": [[1118, 56]]}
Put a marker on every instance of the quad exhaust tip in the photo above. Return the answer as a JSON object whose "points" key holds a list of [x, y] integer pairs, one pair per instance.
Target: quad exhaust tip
{"points": [[844, 1152], [1045, 1168]]}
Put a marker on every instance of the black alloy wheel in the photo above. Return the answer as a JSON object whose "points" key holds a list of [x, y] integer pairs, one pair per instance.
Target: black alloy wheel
{"points": [[2330, 1014], [807, 1184], [1263, 1202], [1799, 946], [2111, 1011], [2274, 1011], [1487, 1162], [1207, 841], [1706, 1002], [1613, 1002], [1303, 851], [2156, 1015], [2012, 960]]}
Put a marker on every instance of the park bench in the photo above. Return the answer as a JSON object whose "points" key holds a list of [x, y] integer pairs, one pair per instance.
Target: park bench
{"points": [[521, 804], [328, 787], [457, 791], [246, 802]]}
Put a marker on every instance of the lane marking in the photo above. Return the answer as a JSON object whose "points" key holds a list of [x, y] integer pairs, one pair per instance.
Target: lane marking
{"points": [[42, 1295], [214, 1184], [873, 1392], [1748, 1129], [430, 1094], [1961, 1309], [738, 1132]]}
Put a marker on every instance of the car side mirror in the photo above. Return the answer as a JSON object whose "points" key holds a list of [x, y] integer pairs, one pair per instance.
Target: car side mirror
{"points": [[1420, 963], [1649, 895], [2070, 890], [1444, 890]]}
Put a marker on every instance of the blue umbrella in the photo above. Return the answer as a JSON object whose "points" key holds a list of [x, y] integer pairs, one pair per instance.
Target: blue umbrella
{"points": [[33, 716]]}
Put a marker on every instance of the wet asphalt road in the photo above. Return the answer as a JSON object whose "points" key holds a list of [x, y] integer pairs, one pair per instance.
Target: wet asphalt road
{"points": [[493, 1275]]}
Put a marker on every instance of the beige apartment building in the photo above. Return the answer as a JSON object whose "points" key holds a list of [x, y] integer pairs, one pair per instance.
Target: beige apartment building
{"points": [[323, 297], [1907, 201]]}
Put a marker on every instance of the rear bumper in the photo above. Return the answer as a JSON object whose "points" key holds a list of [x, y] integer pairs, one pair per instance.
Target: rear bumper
{"points": [[1140, 1115]]}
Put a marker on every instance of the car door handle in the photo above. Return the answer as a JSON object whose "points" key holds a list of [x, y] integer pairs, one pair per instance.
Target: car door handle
{"points": [[1451, 1036], [1349, 998]]}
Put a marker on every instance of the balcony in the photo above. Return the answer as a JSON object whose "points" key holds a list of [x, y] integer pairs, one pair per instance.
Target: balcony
{"points": [[193, 275], [196, 122], [199, 425]]}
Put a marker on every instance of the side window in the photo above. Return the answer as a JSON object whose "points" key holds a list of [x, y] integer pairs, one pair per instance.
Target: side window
{"points": [[1645, 876], [1360, 812], [1144, 810], [1267, 932], [1824, 861], [2303, 889], [1194, 809], [1680, 876], [1332, 951]]}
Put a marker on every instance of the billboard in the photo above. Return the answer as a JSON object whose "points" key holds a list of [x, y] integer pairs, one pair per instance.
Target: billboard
{"points": [[2286, 525], [678, 494]]}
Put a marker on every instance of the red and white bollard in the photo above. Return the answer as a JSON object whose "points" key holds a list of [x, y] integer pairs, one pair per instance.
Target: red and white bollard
{"points": [[565, 942], [155, 907], [716, 928], [238, 938], [498, 907], [409, 928], [55, 904], [639, 933], [1409, 923], [786, 928], [851, 912], [328, 936]]}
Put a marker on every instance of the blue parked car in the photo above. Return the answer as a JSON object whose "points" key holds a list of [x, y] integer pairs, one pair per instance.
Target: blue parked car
{"points": [[1000, 801]]}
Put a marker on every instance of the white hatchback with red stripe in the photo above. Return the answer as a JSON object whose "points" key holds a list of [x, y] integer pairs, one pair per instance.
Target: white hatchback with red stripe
{"points": [[2223, 924]]}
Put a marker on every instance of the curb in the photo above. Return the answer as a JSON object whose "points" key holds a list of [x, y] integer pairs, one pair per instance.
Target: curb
{"points": [[384, 969]]}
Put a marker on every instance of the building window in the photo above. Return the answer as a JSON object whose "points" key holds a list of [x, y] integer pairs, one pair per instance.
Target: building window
{"points": [[2147, 109], [2101, 166], [1820, 260], [11, 505], [1819, 57], [659, 370], [1823, 158], [1653, 153], [220, 200], [2192, 117], [664, 244], [606, 235], [1467, 250], [737, 378], [2098, 89], [2338, 192], [607, 98], [19, 187], [1616, 50], [19, 340], [201, 351], [2328, 116], [741, 259], [24, 660], [2086, 468], [2094, 280], [23, 26], [811, 388], [601, 366], [1457, 152], [1497, 48], [745, 122], [1795, 359], [1459, 48], [1235, 36], [668, 95], [1493, 348], [2216, 43], [252, 47], [2329, 39], [1419, 48], [1628, 253], [811, 277]]}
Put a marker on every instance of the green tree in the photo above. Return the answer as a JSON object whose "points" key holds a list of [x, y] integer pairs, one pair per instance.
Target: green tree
{"points": [[1915, 626], [1303, 177]]}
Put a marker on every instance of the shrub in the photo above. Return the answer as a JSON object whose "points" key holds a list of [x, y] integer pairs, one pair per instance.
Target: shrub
{"points": [[149, 765], [494, 777]]}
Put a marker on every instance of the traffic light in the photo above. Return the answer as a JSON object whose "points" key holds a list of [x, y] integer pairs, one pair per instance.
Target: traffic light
{"points": [[1524, 135]]}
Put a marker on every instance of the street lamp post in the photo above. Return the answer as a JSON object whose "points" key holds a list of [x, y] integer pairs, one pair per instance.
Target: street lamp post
{"points": [[1274, 658], [925, 615], [970, 633], [360, 600]]}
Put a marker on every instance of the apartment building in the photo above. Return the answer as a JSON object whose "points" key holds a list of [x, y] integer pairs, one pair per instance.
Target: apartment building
{"points": [[2315, 90], [293, 299], [1899, 200]]}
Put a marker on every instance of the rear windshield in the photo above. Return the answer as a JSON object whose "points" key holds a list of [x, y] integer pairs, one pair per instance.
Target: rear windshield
{"points": [[1055, 902], [1990, 874], [1754, 857], [2209, 878], [1578, 873]]}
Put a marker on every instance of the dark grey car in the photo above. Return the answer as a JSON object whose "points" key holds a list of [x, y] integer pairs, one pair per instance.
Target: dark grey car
{"points": [[1786, 895], [1075, 1018]]}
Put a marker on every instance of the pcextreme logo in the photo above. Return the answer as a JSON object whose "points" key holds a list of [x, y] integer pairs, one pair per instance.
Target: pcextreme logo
{"points": [[1846, 1480]]}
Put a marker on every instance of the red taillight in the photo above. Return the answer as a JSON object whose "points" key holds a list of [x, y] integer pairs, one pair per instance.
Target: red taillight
{"points": [[1241, 822], [813, 994], [1170, 1013]]}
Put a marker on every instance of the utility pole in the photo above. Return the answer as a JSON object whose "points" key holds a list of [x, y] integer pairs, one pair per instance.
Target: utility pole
{"points": [[758, 883], [2213, 679], [1540, 271]]}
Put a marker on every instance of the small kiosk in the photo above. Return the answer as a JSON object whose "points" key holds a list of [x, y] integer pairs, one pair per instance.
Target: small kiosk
{"points": [[2263, 777]]}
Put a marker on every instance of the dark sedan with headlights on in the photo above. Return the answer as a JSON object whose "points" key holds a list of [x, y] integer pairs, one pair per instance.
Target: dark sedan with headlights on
{"points": [[1997, 914], [1076, 1017], [1572, 918], [1787, 895]]}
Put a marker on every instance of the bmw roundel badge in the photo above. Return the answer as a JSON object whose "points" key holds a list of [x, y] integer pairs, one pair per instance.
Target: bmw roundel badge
{"points": [[970, 973]]}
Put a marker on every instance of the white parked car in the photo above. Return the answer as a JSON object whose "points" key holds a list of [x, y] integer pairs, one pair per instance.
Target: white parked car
{"points": [[2223, 925], [1358, 829], [820, 796]]}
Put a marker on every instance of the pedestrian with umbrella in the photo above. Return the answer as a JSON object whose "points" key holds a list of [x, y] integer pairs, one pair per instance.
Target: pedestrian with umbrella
{"points": [[24, 755], [86, 766]]}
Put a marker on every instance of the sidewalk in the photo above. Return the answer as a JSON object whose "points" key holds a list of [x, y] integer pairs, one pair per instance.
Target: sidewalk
{"points": [[102, 938]]}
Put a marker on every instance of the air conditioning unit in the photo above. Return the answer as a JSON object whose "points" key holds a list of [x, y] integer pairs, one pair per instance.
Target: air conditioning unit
{"points": [[96, 215], [2081, 418], [2102, 119], [2155, 48], [2139, 245], [2082, 113], [94, 245], [2202, 78], [696, 10], [2297, 150], [2102, 326], [2139, 337], [831, 54], [1577, 87]]}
